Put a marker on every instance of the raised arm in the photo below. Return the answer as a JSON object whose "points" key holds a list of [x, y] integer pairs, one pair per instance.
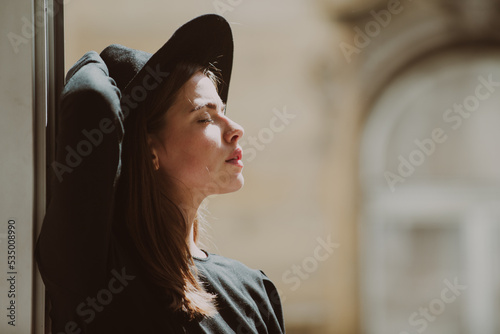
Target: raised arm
{"points": [[72, 248]]}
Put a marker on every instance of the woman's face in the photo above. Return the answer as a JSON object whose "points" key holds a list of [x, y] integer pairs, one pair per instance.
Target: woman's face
{"points": [[198, 146]]}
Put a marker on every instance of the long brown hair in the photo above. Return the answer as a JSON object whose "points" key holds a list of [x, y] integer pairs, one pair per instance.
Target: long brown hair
{"points": [[152, 220]]}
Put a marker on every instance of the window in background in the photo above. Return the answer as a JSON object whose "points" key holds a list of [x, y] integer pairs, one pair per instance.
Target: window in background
{"points": [[430, 172]]}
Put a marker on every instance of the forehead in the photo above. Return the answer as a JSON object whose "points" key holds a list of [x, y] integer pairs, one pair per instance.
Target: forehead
{"points": [[199, 89]]}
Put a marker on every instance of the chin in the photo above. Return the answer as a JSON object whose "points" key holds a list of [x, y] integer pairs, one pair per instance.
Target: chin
{"points": [[235, 185]]}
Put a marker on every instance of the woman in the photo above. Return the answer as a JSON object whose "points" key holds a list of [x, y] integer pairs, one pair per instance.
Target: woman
{"points": [[143, 140]]}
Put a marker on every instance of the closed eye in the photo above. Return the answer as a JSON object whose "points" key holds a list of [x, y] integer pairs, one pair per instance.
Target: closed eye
{"points": [[208, 120]]}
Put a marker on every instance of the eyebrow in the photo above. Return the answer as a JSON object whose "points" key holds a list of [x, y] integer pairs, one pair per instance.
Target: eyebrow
{"points": [[210, 105]]}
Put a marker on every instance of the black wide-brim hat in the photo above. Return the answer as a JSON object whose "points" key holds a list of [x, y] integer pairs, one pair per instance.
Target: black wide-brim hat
{"points": [[206, 40]]}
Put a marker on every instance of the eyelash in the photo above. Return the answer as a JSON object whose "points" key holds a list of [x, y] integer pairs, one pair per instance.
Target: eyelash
{"points": [[210, 120]]}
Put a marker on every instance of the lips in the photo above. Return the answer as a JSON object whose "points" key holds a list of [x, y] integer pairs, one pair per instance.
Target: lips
{"points": [[235, 157]]}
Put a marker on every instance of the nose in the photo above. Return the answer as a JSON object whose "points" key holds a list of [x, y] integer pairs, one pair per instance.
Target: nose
{"points": [[234, 131]]}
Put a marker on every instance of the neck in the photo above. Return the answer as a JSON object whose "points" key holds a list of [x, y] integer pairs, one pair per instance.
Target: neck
{"points": [[191, 214], [193, 248]]}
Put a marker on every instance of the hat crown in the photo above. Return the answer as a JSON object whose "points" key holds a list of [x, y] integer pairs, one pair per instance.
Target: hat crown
{"points": [[206, 40], [124, 63]]}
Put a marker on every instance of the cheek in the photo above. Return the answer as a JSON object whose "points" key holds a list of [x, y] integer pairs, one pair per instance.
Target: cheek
{"points": [[190, 156]]}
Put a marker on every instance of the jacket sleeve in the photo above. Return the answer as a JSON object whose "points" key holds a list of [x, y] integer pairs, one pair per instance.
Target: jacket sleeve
{"points": [[73, 245]]}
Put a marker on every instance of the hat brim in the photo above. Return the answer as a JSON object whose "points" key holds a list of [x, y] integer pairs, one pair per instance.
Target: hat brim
{"points": [[204, 40]]}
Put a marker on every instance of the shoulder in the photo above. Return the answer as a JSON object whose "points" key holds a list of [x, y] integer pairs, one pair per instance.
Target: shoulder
{"points": [[222, 263], [249, 288], [227, 269]]}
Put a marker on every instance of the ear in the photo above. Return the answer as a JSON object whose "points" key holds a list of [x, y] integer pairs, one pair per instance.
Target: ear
{"points": [[153, 148]]}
